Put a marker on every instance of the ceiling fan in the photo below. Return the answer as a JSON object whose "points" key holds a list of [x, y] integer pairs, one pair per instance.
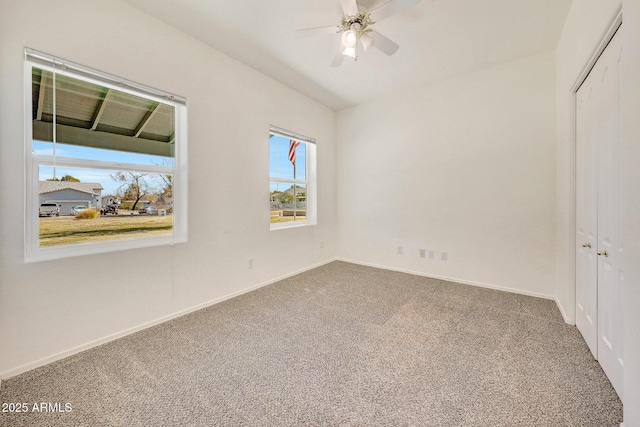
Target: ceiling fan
{"points": [[355, 27]]}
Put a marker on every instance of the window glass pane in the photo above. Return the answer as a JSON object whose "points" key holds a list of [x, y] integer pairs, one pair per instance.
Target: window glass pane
{"points": [[90, 115], [127, 204], [288, 202], [280, 163]]}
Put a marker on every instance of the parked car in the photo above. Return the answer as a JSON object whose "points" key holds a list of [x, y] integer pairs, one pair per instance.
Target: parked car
{"points": [[149, 210], [75, 210], [109, 209], [49, 209]]}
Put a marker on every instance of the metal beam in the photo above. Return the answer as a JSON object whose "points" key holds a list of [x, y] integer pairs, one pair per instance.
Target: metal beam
{"points": [[42, 131], [103, 105], [41, 97], [145, 120]]}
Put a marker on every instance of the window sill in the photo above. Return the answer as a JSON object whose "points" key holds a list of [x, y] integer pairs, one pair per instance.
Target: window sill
{"points": [[287, 225], [80, 249]]}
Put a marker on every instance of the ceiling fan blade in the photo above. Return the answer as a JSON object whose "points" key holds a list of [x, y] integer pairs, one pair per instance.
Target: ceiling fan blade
{"points": [[317, 31], [383, 43], [349, 7], [390, 8], [337, 60]]}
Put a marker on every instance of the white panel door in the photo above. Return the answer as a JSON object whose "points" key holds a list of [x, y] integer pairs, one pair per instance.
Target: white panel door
{"points": [[599, 272], [610, 273], [587, 214]]}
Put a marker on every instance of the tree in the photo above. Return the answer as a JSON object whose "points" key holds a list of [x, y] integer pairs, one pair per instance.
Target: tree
{"points": [[285, 198], [132, 186], [167, 191], [67, 178]]}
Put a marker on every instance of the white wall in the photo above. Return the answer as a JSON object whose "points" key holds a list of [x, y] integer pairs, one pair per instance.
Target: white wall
{"points": [[630, 150], [51, 308], [466, 166], [584, 29]]}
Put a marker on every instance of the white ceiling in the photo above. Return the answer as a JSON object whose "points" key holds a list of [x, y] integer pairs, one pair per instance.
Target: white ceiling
{"points": [[438, 39]]}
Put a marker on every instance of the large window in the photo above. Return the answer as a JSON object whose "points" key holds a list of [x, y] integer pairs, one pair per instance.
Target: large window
{"points": [[106, 162], [291, 179]]}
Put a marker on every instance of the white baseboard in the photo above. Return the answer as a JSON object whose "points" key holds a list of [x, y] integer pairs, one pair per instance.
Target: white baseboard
{"points": [[452, 279], [566, 318], [58, 356]]}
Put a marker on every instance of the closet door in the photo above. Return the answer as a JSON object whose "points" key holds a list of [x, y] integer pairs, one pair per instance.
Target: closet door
{"points": [[599, 273], [587, 214], [610, 273]]}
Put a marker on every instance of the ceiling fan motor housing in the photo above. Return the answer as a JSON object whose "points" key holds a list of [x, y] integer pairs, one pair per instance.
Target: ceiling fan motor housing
{"points": [[357, 23]]}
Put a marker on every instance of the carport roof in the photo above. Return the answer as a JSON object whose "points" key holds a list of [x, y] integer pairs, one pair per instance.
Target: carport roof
{"points": [[96, 116]]}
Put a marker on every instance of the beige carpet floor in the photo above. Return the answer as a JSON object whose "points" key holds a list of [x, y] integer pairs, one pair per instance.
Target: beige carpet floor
{"points": [[340, 345]]}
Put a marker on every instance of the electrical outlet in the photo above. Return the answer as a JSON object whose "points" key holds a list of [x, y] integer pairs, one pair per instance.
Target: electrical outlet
{"points": [[444, 256], [321, 244], [250, 263], [423, 253], [399, 250], [432, 253]]}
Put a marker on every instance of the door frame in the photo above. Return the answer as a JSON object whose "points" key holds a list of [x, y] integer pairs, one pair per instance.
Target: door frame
{"points": [[604, 42]]}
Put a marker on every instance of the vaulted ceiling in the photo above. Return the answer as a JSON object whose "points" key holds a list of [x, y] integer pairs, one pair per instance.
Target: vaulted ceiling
{"points": [[439, 39]]}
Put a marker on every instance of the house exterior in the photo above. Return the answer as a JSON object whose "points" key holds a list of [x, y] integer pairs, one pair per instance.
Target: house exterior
{"points": [[68, 194]]}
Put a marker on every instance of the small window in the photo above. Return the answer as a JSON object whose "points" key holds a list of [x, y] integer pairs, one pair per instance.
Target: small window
{"points": [[291, 179], [110, 154]]}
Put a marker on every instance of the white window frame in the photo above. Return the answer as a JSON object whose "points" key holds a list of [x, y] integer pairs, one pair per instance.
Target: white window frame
{"points": [[310, 182], [32, 250]]}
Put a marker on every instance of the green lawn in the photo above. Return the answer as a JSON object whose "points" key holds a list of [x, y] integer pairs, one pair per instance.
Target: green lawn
{"points": [[68, 230]]}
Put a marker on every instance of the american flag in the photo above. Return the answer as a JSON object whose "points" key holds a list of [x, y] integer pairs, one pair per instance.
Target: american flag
{"points": [[292, 150]]}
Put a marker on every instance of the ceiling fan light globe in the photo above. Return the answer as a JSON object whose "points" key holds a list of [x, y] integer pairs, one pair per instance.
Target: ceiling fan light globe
{"points": [[367, 41], [349, 38], [349, 51]]}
